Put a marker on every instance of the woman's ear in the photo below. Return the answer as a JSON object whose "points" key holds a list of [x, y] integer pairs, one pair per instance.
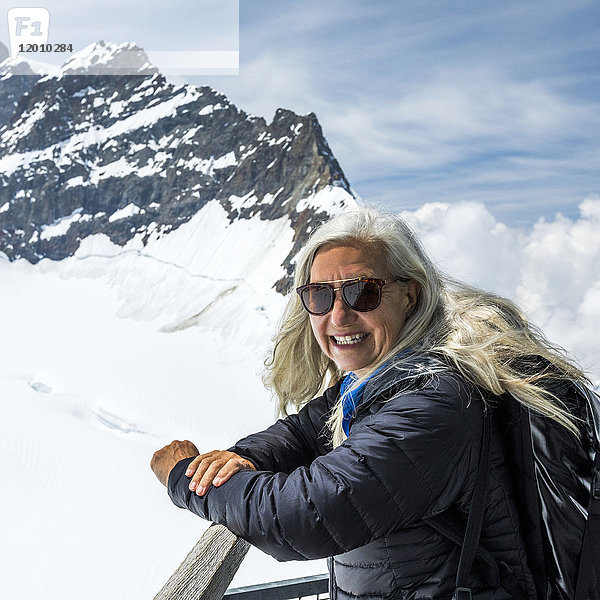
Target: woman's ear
{"points": [[412, 290]]}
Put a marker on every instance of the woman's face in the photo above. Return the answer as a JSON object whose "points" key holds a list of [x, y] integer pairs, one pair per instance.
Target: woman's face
{"points": [[371, 333]]}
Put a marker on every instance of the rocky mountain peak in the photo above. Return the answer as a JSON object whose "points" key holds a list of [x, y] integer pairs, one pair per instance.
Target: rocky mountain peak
{"points": [[134, 156]]}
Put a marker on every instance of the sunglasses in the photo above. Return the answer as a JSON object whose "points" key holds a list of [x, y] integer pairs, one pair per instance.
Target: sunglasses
{"points": [[361, 293]]}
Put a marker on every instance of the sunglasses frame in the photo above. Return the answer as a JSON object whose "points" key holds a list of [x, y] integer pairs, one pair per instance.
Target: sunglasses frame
{"points": [[344, 282]]}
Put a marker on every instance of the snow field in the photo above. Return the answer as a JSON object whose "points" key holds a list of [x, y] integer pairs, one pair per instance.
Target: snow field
{"points": [[91, 384]]}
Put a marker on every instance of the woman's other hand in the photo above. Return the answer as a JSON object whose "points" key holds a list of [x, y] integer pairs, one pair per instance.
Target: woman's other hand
{"points": [[214, 467], [166, 458]]}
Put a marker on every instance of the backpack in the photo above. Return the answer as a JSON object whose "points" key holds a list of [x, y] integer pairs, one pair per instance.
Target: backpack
{"points": [[556, 481]]}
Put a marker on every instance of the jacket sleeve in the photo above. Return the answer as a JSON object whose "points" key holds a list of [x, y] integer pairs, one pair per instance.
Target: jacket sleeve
{"points": [[291, 442], [411, 459]]}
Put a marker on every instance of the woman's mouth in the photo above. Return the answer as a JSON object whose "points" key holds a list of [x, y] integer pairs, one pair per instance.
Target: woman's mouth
{"points": [[349, 340]]}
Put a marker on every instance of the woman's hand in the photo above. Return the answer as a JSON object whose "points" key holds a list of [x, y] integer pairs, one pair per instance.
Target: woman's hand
{"points": [[166, 458], [214, 467]]}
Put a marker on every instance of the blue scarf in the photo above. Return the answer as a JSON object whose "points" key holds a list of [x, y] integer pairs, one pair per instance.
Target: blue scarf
{"points": [[351, 399]]}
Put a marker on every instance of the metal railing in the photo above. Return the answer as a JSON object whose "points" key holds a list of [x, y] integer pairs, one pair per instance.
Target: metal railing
{"points": [[316, 585]]}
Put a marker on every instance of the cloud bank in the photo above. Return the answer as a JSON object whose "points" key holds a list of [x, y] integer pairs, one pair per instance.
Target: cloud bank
{"points": [[551, 270]]}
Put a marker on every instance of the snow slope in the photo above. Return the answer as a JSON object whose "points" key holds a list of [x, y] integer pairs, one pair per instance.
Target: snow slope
{"points": [[109, 355]]}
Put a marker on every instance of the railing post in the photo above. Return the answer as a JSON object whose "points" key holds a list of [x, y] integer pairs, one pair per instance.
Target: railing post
{"points": [[208, 569]]}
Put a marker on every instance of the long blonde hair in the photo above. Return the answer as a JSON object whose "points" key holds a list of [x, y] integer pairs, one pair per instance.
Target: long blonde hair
{"points": [[485, 337]]}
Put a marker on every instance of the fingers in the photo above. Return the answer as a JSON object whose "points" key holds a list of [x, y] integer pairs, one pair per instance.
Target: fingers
{"points": [[207, 469], [214, 468], [193, 466], [230, 467]]}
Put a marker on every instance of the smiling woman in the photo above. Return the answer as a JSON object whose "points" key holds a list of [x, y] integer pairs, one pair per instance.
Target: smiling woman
{"points": [[355, 338], [413, 362]]}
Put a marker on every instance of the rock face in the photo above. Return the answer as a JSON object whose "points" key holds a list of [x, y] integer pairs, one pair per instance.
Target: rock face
{"points": [[16, 80], [133, 154]]}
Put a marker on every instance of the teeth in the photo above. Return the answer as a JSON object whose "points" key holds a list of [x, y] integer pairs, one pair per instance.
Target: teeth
{"points": [[350, 339]]}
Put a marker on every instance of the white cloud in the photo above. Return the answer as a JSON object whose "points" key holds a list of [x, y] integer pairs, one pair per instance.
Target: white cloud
{"points": [[269, 81], [457, 115], [551, 270]]}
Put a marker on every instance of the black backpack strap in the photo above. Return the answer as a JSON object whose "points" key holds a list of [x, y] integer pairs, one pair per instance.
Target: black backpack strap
{"points": [[451, 526], [475, 519], [588, 578]]}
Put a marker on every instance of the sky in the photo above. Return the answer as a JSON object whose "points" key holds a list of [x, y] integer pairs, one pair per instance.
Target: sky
{"points": [[497, 103]]}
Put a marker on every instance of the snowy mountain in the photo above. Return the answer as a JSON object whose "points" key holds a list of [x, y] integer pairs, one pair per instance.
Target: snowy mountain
{"points": [[134, 158]]}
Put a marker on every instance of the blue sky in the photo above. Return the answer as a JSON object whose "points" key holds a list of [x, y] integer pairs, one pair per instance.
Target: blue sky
{"points": [[421, 101], [497, 102]]}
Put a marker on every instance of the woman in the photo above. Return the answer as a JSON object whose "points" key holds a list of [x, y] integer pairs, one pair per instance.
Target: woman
{"points": [[412, 358]]}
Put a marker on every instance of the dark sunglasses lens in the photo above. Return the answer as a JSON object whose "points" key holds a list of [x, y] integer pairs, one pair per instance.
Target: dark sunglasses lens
{"points": [[317, 299], [362, 295]]}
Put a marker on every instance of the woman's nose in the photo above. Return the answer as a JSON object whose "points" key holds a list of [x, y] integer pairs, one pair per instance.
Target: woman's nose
{"points": [[341, 313]]}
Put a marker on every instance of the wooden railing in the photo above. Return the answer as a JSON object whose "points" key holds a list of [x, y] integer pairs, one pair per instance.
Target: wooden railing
{"points": [[208, 569]]}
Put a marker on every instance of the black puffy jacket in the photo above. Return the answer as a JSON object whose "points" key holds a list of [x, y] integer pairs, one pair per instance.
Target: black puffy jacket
{"points": [[411, 453]]}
